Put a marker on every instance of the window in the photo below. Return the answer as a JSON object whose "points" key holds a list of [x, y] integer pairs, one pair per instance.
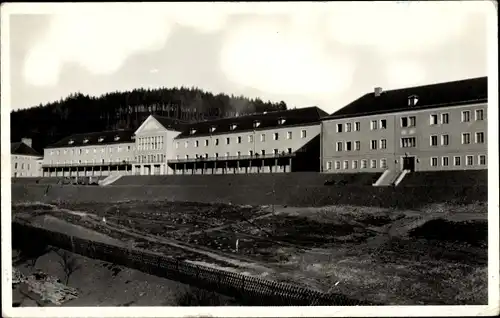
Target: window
{"points": [[408, 121], [177, 157], [355, 164], [250, 153], [445, 161], [329, 165], [206, 142], [80, 151], [480, 138], [456, 161], [383, 163], [445, 140], [263, 152], [469, 160], [281, 121], [357, 126], [346, 164], [303, 133], [348, 127], [212, 129], [445, 118], [239, 139], [408, 142], [250, 138], [482, 160], [434, 119], [15, 165], [357, 145], [337, 165], [434, 140], [383, 144], [348, 146], [216, 141], [373, 125], [466, 138], [275, 151], [196, 143], [479, 114], [363, 164], [256, 123], [373, 145], [263, 137], [339, 146], [276, 136], [373, 163], [232, 127], [228, 141], [289, 135], [186, 144], [238, 153], [187, 156], [434, 161], [177, 145], [289, 150], [465, 116], [383, 124], [227, 154], [339, 128]]}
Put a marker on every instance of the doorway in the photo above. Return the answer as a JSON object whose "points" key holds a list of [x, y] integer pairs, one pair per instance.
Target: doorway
{"points": [[409, 163]]}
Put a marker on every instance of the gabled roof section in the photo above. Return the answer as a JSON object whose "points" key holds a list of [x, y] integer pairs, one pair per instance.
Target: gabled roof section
{"points": [[284, 118], [95, 138], [468, 91], [171, 123], [20, 148]]}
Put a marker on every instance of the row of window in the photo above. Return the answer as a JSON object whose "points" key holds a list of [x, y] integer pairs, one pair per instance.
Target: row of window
{"points": [[150, 143], [150, 158], [28, 166], [457, 161], [445, 162], [238, 154], [79, 151], [382, 163], [239, 139], [410, 121], [88, 161], [356, 145]]}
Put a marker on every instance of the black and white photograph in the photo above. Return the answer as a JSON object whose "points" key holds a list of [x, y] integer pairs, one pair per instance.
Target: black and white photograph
{"points": [[249, 159]]}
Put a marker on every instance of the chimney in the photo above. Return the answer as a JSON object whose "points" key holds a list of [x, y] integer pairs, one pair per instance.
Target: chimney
{"points": [[377, 91], [27, 141]]}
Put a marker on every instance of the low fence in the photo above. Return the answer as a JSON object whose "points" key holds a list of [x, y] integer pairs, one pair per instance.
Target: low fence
{"points": [[249, 290]]}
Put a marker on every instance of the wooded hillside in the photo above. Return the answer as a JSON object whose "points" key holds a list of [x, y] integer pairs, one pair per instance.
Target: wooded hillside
{"points": [[79, 113]]}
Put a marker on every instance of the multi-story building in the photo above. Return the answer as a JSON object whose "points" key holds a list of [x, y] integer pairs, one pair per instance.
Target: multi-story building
{"points": [[25, 160], [280, 141], [433, 127], [154, 145], [90, 154]]}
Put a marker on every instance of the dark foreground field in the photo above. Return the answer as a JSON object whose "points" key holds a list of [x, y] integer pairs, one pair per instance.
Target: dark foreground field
{"points": [[432, 255]]}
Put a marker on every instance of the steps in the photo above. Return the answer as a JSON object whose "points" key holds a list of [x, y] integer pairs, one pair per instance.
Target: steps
{"points": [[391, 178], [109, 180]]}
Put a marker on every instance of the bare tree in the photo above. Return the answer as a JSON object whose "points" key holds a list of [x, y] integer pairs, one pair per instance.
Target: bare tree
{"points": [[68, 263]]}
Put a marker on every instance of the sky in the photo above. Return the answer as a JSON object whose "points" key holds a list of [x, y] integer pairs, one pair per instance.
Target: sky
{"points": [[321, 54]]}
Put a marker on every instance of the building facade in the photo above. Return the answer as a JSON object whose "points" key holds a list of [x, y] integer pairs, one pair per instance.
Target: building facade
{"points": [[91, 154], [281, 141], [434, 127], [25, 161], [154, 145]]}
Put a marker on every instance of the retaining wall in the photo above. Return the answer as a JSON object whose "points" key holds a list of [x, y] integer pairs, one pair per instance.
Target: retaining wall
{"points": [[292, 195]]}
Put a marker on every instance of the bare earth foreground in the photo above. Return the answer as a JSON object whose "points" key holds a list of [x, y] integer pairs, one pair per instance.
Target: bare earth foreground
{"points": [[434, 255]]}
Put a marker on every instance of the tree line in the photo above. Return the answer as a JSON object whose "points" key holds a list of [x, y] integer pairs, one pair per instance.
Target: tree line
{"points": [[79, 113]]}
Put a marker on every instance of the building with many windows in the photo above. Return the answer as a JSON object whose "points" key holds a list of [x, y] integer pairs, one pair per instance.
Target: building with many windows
{"points": [[154, 145], [90, 154], [280, 141], [433, 127], [25, 161]]}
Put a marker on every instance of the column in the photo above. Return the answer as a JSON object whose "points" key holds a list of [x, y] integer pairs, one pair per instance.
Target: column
{"points": [[226, 168], [290, 164], [250, 165], [100, 170], [204, 167], [175, 168], [194, 168], [237, 167], [275, 165], [184, 169]]}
